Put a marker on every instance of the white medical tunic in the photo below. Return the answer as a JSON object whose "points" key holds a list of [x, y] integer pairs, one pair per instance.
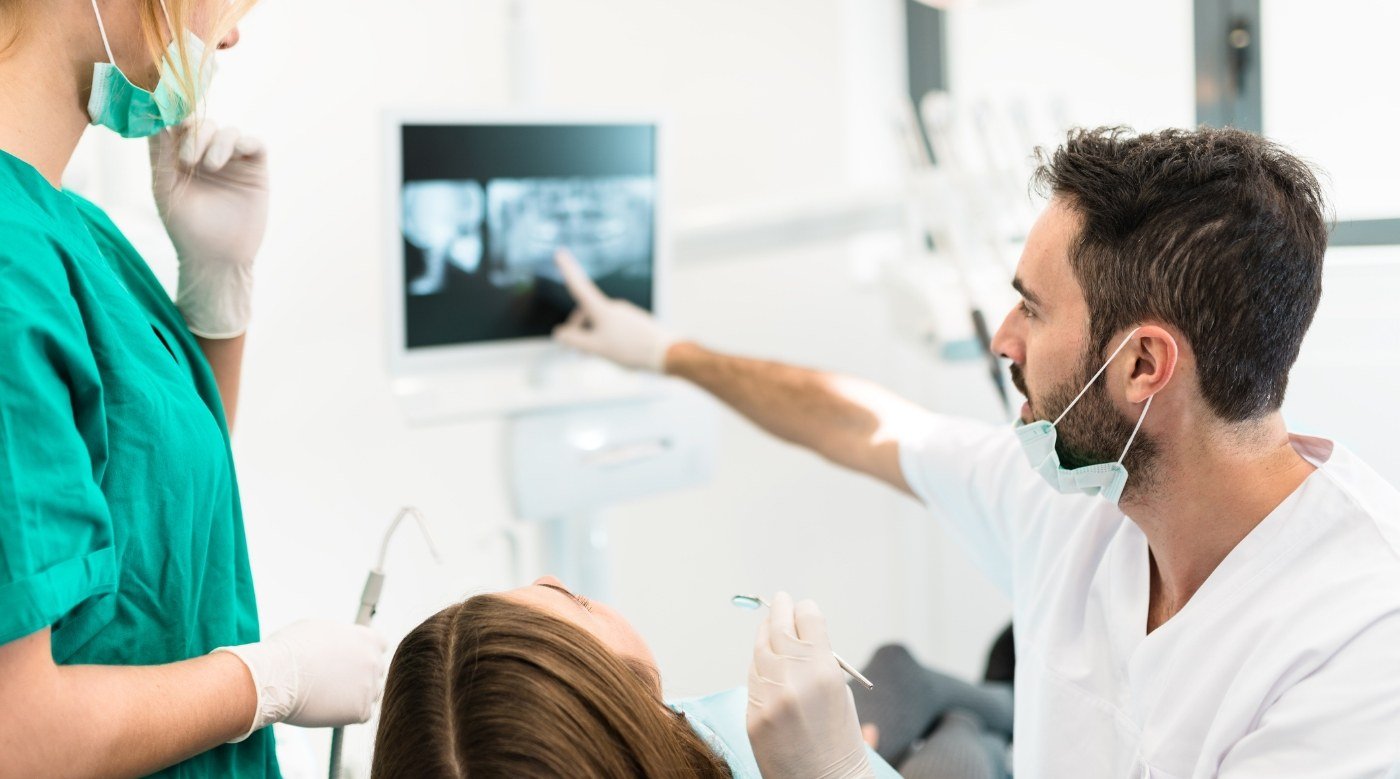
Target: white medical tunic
{"points": [[1285, 663]]}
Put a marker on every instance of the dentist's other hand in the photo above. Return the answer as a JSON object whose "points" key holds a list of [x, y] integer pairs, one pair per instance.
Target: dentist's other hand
{"points": [[801, 718], [613, 329], [315, 674], [210, 186]]}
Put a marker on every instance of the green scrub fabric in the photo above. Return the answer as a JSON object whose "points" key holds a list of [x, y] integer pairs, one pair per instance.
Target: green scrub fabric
{"points": [[120, 524]]}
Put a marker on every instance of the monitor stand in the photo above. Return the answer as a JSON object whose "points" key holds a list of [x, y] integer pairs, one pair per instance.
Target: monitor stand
{"points": [[552, 380], [568, 466]]}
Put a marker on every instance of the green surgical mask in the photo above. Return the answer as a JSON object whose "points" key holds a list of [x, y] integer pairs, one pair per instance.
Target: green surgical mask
{"points": [[133, 112]]}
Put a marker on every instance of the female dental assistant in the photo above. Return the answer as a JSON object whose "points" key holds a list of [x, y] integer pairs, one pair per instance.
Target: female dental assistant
{"points": [[128, 631]]}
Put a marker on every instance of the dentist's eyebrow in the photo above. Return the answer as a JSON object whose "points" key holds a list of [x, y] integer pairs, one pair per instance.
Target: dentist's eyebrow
{"points": [[568, 595], [1031, 297]]}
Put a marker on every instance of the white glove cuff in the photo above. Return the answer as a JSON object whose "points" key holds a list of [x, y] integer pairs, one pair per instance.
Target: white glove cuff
{"points": [[858, 770], [664, 341], [275, 697], [216, 299]]}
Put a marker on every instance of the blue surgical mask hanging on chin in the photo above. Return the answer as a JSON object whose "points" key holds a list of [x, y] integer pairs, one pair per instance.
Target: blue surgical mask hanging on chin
{"points": [[1105, 479], [133, 112]]}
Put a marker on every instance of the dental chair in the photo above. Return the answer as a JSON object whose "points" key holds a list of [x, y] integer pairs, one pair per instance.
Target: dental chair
{"points": [[935, 726]]}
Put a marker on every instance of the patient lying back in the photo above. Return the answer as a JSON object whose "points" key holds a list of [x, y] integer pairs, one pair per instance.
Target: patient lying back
{"points": [[531, 682]]}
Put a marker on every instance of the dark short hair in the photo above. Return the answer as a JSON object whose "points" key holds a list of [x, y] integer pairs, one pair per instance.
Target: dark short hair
{"points": [[1217, 232]]}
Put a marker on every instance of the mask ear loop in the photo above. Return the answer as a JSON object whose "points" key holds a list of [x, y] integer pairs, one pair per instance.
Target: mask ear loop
{"points": [[1136, 428], [169, 26], [1096, 376], [101, 28]]}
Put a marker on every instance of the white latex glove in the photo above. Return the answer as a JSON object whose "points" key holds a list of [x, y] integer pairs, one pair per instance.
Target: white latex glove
{"points": [[315, 674], [802, 719], [210, 185], [614, 329]]}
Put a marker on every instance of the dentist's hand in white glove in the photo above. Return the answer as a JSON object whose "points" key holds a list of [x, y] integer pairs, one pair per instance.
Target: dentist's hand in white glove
{"points": [[315, 674], [801, 719], [210, 186], [613, 329]]}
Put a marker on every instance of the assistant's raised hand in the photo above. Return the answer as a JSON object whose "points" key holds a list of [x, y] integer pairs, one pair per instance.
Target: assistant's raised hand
{"points": [[211, 188]]}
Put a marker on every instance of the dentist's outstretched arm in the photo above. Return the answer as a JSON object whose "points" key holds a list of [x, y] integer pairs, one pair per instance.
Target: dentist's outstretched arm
{"points": [[802, 719], [850, 422]]}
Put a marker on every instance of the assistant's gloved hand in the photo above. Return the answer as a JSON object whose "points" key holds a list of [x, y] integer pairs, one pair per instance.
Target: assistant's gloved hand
{"points": [[315, 674], [802, 719], [210, 185], [614, 329]]}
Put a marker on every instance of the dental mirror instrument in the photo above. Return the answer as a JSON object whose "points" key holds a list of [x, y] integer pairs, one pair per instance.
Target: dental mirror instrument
{"points": [[369, 602], [752, 602]]}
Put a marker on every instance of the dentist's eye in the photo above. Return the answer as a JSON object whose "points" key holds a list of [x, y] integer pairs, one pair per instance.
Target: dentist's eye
{"points": [[1025, 310]]}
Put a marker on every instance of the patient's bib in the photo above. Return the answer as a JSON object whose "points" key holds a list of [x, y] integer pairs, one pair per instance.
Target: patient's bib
{"points": [[719, 720]]}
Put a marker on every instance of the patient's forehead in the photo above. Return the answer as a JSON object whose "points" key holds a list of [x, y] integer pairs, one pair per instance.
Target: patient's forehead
{"points": [[551, 602], [599, 620]]}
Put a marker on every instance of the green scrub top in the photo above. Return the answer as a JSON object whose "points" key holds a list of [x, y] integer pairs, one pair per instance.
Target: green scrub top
{"points": [[120, 524]]}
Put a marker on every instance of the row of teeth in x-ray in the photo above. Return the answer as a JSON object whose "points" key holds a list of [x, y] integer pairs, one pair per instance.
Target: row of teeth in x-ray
{"points": [[605, 222]]}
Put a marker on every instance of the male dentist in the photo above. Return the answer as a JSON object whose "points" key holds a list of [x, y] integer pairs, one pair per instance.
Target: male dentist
{"points": [[1197, 592]]}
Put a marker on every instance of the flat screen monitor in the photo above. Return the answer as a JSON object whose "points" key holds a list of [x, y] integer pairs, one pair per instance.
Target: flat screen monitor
{"points": [[480, 207]]}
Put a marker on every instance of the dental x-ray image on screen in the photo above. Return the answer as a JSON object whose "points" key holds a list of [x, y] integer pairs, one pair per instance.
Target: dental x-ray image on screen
{"points": [[485, 207]]}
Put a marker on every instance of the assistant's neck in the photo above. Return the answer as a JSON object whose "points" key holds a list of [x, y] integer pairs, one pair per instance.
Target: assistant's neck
{"points": [[1211, 487], [43, 98]]}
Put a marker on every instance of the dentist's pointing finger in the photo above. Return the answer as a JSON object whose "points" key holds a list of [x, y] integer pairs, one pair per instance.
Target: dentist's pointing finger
{"points": [[613, 329], [580, 286]]}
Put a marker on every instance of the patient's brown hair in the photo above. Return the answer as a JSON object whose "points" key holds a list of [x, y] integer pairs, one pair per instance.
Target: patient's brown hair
{"points": [[493, 688]]}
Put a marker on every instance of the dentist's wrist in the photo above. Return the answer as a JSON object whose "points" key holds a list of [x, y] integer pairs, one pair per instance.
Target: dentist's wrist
{"points": [[678, 355], [665, 342]]}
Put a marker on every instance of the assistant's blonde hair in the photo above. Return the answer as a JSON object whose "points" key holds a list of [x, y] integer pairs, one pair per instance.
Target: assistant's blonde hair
{"points": [[182, 12]]}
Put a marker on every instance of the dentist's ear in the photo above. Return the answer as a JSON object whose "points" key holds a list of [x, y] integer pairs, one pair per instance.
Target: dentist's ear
{"points": [[1153, 355]]}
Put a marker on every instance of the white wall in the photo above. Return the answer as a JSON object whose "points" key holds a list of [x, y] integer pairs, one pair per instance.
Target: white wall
{"points": [[1320, 100], [1348, 374], [1101, 62], [1322, 65]]}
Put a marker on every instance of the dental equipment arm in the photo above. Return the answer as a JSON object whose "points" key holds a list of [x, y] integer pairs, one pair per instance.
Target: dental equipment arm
{"points": [[369, 603], [989, 355], [850, 422]]}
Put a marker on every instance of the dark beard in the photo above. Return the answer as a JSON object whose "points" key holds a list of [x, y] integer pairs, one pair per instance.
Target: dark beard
{"points": [[1094, 432]]}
